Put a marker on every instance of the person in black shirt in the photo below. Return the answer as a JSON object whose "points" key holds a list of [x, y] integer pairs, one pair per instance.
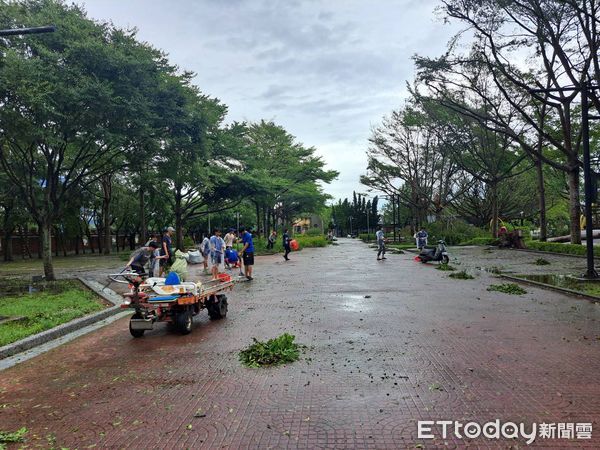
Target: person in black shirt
{"points": [[286, 244]]}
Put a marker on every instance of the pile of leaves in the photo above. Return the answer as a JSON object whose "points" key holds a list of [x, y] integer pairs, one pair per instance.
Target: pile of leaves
{"points": [[462, 275], [508, 288], [279, 350], [10, 438], [445, 267], [541, 262]]}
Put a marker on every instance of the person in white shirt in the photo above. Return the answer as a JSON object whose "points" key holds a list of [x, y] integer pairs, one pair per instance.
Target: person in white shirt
{"points": [[380, 244], [229, 239]]}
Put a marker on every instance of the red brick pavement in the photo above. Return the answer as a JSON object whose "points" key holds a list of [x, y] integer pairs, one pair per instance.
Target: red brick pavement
{"points": [[421, 347]]}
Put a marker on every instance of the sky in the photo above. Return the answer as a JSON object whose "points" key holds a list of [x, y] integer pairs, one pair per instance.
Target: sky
{"points": [[325, 70]]}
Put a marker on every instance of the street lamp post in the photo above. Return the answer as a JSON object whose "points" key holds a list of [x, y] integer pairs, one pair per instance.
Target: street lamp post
{"points": [[368, 226], [21, 31], [587, 170]]}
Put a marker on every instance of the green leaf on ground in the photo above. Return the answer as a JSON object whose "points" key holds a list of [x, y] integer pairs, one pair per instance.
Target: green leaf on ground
{"points": [[462, 275], [508, 288], [7, 437], [279, 350]]}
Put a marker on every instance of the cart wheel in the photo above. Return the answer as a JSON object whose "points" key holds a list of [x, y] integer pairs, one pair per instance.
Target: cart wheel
{"points": [[136, 333], [218, 309], [445, 259], [183, 322]]}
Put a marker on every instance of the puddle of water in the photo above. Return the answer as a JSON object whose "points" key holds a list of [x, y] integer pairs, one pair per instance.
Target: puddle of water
{"points": [[357, 303], [565, 281]]}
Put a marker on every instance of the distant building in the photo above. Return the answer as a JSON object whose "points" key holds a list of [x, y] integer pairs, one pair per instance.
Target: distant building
{"points": [[303, 224]]}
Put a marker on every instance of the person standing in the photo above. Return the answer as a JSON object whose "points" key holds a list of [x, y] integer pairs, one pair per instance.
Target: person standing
{"points": [[421, 237], [247, 252], [229, 239], [217, 248], [271, 240], [205, 250], [166, 249], [286, 244], [380, 236]]}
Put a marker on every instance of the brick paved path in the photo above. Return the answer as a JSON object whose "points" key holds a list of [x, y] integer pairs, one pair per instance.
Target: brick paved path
{"points": [[389, 343]]}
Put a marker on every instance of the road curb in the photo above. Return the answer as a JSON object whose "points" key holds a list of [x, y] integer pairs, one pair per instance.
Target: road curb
{"points": [[571, 292], [45, 336]]}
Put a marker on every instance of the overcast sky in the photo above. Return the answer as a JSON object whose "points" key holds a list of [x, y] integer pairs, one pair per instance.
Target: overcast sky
{"points": [[326, 70]]}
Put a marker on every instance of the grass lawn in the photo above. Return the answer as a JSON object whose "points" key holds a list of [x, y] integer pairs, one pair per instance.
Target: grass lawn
{"points": [[71, 263], [64, 301]]}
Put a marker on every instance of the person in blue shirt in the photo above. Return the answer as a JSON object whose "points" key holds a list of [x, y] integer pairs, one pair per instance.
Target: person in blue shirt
{"points": [[247, 252], [217, 248]]}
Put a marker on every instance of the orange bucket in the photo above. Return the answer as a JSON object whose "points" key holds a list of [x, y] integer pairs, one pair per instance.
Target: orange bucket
{"points": [[294, 245]]}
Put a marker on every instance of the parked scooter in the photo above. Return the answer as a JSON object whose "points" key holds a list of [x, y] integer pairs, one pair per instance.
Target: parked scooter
{"points": [[440, 253]]}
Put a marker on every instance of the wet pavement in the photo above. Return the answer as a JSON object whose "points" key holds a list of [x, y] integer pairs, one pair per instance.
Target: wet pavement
{"points": [[388, 343]]}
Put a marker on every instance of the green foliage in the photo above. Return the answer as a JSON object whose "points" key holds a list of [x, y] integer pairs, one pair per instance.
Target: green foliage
{"points": [[279, 350], [313, 232], [556, 247], [453, 232], [508, 288], [445, 267], [188, 242], [7, 437], [481, 241], [462, 275], [367, 237], [58, 304]]}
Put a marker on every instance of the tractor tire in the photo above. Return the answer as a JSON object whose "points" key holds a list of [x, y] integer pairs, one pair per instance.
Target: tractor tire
{"points": [[218, 309], [136, 333], [183, 322]]}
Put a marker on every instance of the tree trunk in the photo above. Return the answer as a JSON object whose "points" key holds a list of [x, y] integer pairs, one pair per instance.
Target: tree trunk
{"points": [[7, 244], [142, 214], [179, 220], [56, 243], [541, 199], [494, 187], [46, 249], [257, 218], [574, 207], [106, 183]]}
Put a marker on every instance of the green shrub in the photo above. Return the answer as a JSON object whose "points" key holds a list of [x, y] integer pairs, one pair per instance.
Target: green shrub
{"points": [[188, 243], [314, 232], [279, 350], [508, 288], [541, 262], [311, 241], [556, 247], [445, 267], [454, 232], [366, 237]]}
